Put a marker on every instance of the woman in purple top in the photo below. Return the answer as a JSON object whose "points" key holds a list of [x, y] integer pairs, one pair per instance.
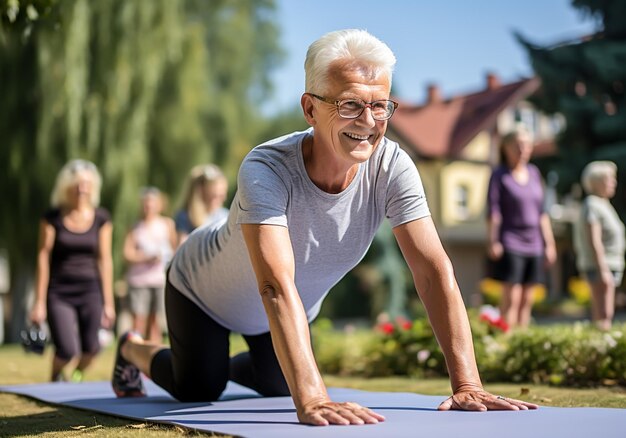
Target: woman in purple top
{"points": [[518, 228]]}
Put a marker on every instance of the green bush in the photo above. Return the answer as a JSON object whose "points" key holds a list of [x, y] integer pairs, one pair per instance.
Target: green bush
{"points": [[574, 355], [567, 355]]}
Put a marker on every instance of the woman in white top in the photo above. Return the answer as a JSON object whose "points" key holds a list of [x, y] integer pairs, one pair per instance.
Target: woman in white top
{"points": [[599, 240], [148, 247]]}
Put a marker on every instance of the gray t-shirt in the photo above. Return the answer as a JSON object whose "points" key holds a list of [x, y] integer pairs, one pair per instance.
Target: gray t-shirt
{"points": [[599, 210], [330, 233]]}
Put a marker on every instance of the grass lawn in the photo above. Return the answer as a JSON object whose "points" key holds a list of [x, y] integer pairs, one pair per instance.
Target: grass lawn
{"points": [[20, 416]]}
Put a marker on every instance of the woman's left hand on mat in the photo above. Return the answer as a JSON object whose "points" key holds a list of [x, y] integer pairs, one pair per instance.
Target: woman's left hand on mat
{"points": [[478, 400]]}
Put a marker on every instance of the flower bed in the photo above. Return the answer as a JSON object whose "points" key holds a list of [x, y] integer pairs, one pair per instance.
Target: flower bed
{"points": [[567, 355]]}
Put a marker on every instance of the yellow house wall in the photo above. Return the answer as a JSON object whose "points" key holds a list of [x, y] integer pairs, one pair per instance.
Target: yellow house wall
{"points": [[474, 176], [429, 172], [479, 149]]}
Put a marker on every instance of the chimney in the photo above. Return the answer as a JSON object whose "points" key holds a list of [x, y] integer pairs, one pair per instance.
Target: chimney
{"points": [[492, 81], [433, 94]]}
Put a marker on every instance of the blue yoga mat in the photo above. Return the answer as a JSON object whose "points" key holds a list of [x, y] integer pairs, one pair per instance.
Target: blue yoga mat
{"points": [[242, 412]]}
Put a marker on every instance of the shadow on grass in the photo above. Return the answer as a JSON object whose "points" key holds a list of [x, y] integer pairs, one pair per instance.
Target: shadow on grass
{"points": [[56, 419], [60, 421]]}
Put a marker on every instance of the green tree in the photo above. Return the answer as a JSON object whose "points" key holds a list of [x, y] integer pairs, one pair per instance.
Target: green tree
{"points": [[585, 80], [145, 89]]}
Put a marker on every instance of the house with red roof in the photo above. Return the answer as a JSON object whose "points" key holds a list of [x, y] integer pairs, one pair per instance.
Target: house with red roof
{"points": [[454, 143]]}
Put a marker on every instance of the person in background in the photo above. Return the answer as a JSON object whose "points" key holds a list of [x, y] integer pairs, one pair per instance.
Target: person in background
{"points": [[148, 247], [306, 210], [205, 193], [519, 232], [74, 283], [599, 240]]}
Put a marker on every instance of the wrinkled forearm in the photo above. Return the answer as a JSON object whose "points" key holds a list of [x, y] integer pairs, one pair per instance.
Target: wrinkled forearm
{"points": [[291, 338], [448, 317]]}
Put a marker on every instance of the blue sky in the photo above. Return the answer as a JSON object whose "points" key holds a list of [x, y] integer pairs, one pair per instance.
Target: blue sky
{"points": [[452, 43]]}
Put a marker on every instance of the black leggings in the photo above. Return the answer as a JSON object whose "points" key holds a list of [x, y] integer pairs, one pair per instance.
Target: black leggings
{"points": [[197, 365], [74, 321]]}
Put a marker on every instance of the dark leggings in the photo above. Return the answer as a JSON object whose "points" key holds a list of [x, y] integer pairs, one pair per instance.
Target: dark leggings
{"points": [[74, 321], [197, 365]]}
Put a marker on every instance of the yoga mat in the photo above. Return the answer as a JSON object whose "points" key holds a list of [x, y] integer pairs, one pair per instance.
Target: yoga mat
{"points": [[242, 412]]}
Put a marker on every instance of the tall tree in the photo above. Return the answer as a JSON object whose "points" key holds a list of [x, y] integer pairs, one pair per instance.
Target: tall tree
{"points": [[585, 81], [145, 89]]}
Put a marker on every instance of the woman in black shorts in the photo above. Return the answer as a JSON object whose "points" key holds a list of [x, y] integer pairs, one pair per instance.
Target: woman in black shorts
{"points": [[519, 232], [74, 290]]}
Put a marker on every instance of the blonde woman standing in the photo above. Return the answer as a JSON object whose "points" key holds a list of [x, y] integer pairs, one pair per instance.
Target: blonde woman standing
{"points": [[205, 193], [74, 289]]}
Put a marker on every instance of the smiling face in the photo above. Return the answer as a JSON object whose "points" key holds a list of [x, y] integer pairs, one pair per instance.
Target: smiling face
{"points": [[349, 140]]}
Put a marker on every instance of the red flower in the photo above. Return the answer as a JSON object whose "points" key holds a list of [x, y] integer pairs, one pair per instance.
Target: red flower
{"points": [[502, 325], [403, 323], [494, 321], [386, 327]]}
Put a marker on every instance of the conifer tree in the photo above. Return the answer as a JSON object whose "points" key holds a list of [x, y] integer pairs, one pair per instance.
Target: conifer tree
{"points": [[585, 80]]}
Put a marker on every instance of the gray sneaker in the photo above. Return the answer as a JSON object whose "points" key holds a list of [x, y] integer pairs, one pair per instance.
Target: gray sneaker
{"points": [[126, 379]]}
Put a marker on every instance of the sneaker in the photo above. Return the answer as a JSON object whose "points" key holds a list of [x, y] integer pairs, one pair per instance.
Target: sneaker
{"points": [[126, 380], [59, 378], [77, 376]]}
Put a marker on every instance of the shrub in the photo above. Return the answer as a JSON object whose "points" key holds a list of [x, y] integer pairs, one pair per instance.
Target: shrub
{"points": [[577, 355], [568, 355]]}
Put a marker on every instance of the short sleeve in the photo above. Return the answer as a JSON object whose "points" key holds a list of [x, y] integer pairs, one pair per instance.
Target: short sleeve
{"points": [[589, 213], [182, 222], [262, 193], [102, 217], [540, 187], [406, 200]]}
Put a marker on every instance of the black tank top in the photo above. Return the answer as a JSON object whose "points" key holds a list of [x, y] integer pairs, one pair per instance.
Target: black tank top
{"points": [[74, 257]]}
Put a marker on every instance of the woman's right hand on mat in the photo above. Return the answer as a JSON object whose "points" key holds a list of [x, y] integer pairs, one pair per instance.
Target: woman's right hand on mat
{"points": [[323, 413]]}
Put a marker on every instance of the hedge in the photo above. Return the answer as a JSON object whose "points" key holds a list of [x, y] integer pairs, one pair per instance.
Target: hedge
{"points": [[568, 355]]}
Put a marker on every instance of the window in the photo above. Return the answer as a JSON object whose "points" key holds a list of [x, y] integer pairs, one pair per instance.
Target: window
{"points": [[461, 202], [528, 118]]}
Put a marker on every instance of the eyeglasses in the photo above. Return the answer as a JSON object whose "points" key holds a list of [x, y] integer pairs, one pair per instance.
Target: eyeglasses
{"points": [[353, 108]]}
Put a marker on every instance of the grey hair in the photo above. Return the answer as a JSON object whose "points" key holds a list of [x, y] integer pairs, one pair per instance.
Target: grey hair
{"points": [[348, 45], [67, 177], [596, 171]]}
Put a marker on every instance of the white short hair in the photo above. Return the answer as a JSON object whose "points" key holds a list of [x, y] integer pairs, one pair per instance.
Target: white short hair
{"points": [[348, 45], [67, 177], [596, 171]]}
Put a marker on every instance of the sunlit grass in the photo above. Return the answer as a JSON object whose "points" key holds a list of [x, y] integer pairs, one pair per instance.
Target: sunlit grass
{"points": [[20, 416]]}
